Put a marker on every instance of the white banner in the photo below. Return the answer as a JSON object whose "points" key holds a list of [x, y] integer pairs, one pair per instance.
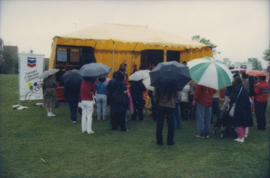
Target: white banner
{"points": [[30, 68]]}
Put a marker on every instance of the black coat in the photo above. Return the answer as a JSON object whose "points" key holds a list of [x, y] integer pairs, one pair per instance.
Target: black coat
{"points": [[243, 114], [136, 91], [72, 91], [113, 87]]}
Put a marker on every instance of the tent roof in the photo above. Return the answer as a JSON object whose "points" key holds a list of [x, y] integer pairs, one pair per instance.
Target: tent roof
{"points": [[132, 34]]}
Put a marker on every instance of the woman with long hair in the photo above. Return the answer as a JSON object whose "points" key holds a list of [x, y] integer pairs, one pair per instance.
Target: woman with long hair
{"points": [[242, 118]]}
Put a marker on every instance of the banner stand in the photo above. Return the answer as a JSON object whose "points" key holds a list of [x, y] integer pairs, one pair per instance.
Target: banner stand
{"points": [[31, 66]]}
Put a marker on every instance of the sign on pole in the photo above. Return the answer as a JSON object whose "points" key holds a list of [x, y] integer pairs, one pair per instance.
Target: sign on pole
{"points": [[30, 68]]}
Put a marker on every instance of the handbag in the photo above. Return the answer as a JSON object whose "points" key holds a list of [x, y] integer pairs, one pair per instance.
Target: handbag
{"points": [[232, 109]]}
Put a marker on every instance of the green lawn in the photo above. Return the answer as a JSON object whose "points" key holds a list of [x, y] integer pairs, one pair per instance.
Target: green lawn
{"points": [[33, 145]]}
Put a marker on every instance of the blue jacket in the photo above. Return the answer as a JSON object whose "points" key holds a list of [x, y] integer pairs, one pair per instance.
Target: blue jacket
{"points": [[102, 87]]}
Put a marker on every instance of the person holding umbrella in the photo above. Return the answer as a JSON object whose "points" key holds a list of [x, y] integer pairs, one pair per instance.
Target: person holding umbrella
{"points": [[137, 89], [89, 73], [88, 89], [168, 78], [72, 86], [203, 97], [49, 93]]}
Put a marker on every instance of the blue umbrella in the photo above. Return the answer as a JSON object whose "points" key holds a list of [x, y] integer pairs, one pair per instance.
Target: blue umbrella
{"points": [[170, 76], [95, 70]]}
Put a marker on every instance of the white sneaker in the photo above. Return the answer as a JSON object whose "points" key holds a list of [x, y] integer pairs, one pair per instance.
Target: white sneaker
{"points": [[91, 132], [240, 140], [50, 114]]}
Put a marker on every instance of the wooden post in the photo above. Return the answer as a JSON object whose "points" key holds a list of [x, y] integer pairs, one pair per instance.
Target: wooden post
{"points": [[165, 54]]}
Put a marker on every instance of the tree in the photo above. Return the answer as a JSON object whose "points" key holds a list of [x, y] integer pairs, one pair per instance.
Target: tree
{"points": [[8, 62], [206, 42], [267, 55], [227, 62], [256, 64]]}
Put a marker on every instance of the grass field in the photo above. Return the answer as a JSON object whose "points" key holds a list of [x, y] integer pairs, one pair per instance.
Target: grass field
{"points": [[33, 145]]}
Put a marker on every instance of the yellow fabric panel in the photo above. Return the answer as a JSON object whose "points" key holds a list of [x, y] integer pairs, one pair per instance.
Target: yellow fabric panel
{"points": [[126, 52], [127, 57], [52, 57], [190, 54], [74, 42]]}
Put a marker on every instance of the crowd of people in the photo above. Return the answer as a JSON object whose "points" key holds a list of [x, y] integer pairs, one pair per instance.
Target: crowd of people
{"points": [[246, 95]]}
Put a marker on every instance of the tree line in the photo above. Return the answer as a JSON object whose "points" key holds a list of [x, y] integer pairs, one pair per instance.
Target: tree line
{"points": [[256, 64], [8, 61]]}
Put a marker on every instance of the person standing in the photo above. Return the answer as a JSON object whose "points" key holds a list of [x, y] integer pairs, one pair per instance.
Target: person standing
{"points": [[215, 107], [261, 90], [136, 90], [203, 97], [166, 102], [88, 89], [72, 94], [242, 118], [49, 92], [177, 113], [185, 103], [101, 98], [118, 101]]}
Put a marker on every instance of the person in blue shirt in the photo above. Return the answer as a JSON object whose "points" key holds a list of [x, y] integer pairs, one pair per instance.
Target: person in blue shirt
{"points": [[101, 98]]}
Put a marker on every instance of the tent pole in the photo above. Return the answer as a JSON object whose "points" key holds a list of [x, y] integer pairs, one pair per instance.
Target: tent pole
{"points": [[165, 54], [113, 57]]}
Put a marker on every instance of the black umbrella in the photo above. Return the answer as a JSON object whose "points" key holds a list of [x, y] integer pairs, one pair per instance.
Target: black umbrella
{"points": [[72, 78], [170, 76]]}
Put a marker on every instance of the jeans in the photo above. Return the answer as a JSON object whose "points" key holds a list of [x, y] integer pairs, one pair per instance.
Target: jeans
{"points": [[203, 117], [87, 111], [101, 101], [177, 116], [165, 113], [73, 106]]}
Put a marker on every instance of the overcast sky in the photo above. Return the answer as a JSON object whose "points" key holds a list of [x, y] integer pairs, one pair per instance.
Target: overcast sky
{"points": [[239, 28]]}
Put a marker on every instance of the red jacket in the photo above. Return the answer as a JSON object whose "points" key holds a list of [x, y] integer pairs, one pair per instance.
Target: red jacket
{"points": [[204, 95], [262, 90], [88, 90]]}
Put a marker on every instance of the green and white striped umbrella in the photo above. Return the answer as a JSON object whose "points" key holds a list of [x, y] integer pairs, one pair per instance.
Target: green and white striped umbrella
{"points": [[210, 72]]}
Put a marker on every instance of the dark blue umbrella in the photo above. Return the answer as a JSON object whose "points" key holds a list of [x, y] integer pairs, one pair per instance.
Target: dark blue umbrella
{"points": [[72, 78], [170, 76], [95, 70]]}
